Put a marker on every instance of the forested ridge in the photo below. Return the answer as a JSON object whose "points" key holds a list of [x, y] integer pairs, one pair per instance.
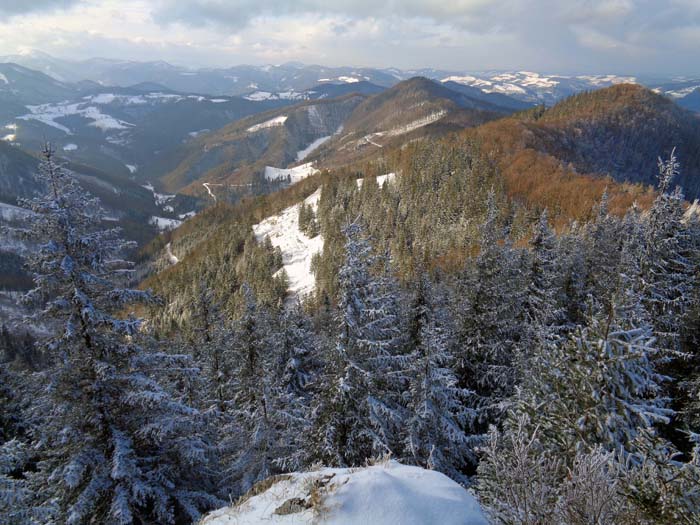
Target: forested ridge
{"points": [[533, 338]]}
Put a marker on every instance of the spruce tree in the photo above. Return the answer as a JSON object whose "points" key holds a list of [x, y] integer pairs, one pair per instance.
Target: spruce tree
{"points": [[116, 447]]}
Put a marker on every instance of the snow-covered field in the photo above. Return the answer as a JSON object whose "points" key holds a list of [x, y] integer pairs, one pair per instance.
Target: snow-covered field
{"points": [[277, 121], [49, 113], [302, 154], [384, 494], [163, 223], [295, 174], [429, 119], [8, 212], [297, 249], [161, 199], [284, 95]]}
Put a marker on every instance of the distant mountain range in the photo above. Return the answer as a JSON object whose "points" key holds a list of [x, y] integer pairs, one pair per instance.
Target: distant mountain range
{"points": [[245, 80]]}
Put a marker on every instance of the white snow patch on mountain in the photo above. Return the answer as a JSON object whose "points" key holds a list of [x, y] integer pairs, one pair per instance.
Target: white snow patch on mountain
{"points": [[3, 79], [48, 113], [297, 249], [163, 223], [348, 80], [429, 119], [70, 147], [132, 168], [284, 95], [385, 494], [161, 199], [381, 179], [302, 154], [10, 137], [277, 121], [295, 174], [8, 212]]}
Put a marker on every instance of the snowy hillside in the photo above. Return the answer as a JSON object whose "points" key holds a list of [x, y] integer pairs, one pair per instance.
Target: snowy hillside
{"points": [[387, 494], [297, 248], [295, 174]]}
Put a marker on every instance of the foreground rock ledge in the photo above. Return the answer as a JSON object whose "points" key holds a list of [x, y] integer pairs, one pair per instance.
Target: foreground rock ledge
{"points": [[383, 494]]}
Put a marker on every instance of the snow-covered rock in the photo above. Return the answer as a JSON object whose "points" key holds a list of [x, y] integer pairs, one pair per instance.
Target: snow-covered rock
{"points": [[385, 494]]}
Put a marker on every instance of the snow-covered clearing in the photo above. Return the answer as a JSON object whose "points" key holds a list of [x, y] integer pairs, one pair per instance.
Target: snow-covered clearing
{"points": [[3, 79], [295, 174], [161, 199], [385, 494], [273, 122], [297, 249], [8, 212], [163, 223], [284, 95], [429, 119], [132, 168], [11, 137], [48, 113], [381, 179], [70, 147], [302, 154]]}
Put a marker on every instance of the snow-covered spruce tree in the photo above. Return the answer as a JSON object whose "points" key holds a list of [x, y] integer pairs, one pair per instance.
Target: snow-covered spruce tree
{"points": [[362, 414], [489, 297], [517, 478], [669, 258], [540, 306], [434, 433], [598, 388], [268, 438], [209, 334], [115, 447]]}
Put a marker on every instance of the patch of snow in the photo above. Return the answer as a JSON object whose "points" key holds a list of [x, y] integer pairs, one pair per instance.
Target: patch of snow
{"points": [[171, 257], [10, 137], [48, 113], [277, 121], [161, 199], [185, 216], [8, 212], [381, 179], [429, 119], [297, 249], [218, 100], [3, 79], [295, 174], [348, 80], [385, 494], [70, 147], [163, 223], [132, 168], [283, 95], [208, 188], [302, 154], [194, 134]]}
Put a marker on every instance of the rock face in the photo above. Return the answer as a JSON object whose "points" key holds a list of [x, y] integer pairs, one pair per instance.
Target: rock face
{"points": [[383, 494]]}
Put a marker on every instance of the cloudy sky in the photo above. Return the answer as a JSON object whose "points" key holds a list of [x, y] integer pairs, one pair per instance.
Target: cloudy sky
{"points": [[586, 36]]}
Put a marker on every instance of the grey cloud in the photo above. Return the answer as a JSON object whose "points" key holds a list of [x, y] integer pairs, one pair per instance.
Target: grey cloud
{"points": [[20, 7]]}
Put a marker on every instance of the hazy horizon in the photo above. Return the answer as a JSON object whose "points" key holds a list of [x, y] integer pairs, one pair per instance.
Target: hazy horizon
{"points": [[625, 37]]}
